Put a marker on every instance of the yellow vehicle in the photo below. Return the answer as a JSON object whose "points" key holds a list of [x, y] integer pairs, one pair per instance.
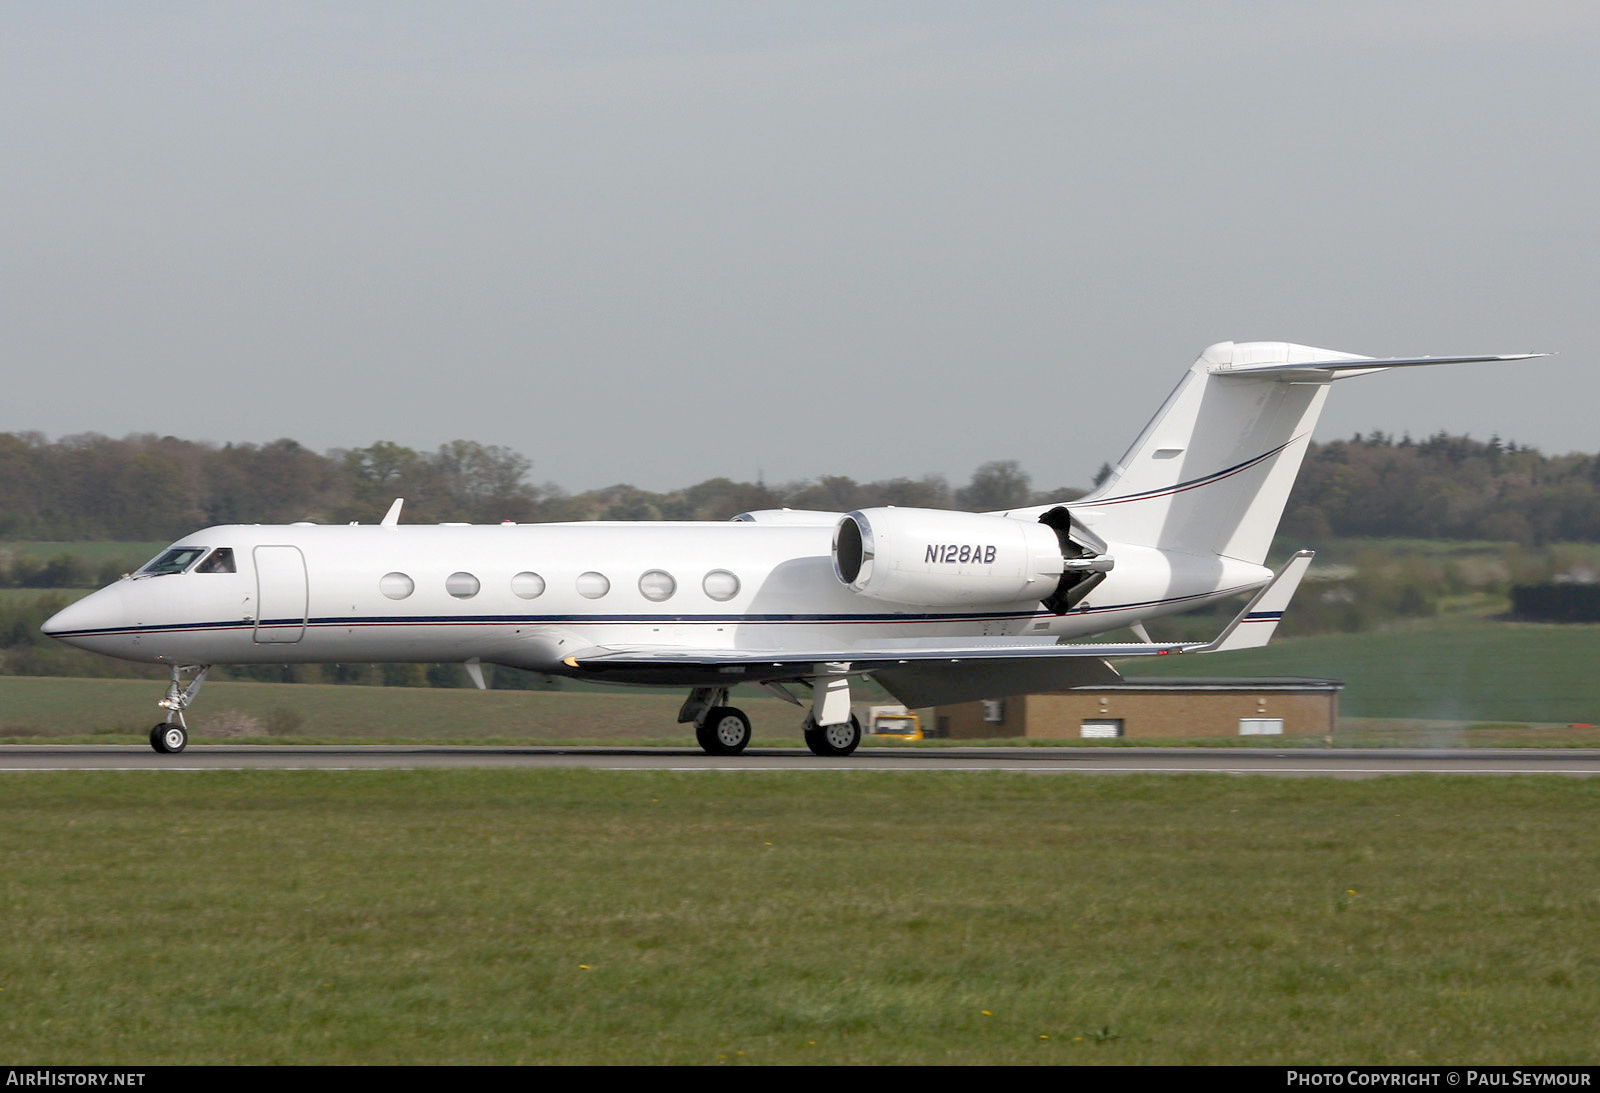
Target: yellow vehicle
{"points": [[896, 722]]}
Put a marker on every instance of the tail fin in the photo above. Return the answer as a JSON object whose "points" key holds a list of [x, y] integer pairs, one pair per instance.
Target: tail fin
{"points": [[1212, 471]]}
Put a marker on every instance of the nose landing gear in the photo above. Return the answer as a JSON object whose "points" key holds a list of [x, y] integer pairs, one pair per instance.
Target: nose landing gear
{"points": [[172, 735]]}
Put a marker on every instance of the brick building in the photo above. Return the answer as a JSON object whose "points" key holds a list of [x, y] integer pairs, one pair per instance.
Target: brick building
{"points": [[1152, 709]]}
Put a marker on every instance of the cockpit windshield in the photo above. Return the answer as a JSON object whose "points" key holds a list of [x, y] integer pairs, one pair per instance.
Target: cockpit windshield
{"points": [[175, 560], [221, 561]]}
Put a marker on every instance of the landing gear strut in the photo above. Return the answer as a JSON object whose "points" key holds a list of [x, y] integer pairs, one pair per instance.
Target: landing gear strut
{"points": [[831, 730], [172, 735]]}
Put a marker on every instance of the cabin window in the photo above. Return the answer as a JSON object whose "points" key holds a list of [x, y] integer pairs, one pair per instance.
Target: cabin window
{"points": [[397, 586], [221, 561], [530, 586], [593, 585], [657, 585], [463, 586], [721, 585], [175, 560]]}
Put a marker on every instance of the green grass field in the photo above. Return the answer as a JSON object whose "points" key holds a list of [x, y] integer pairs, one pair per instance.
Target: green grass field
{"points": [[1450, 671], [584, 917], [1423, 684], [39, 708], [92, 551], [21, 596]]}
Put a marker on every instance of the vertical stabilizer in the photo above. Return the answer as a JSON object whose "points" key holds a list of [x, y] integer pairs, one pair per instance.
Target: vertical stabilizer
{"points": [[1211, 473]]}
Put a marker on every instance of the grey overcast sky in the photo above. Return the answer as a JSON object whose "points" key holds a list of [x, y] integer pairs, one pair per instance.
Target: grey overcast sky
{"points": [[659, 242]]}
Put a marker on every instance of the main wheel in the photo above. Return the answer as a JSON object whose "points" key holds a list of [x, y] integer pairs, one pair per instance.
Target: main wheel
{"points": [[833, 740], [725, 731], [169, 738]]}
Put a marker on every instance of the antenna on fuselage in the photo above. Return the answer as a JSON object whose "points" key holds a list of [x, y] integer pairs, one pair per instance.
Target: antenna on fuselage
{"points": [[392, 517]]}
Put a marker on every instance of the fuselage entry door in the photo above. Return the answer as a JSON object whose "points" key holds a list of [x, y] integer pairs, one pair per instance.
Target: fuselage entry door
{"points": [[282, 595]]}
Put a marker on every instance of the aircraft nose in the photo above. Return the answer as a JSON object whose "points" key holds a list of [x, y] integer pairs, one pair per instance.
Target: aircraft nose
{"points": [[95, 615]]}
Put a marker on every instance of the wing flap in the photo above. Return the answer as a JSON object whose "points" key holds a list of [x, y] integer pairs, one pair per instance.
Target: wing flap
{"points": [[791, 663]]}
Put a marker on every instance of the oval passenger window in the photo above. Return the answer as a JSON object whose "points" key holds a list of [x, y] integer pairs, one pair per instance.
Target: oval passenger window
{"points": [[721, 585], [530, 586], [657, 585]]}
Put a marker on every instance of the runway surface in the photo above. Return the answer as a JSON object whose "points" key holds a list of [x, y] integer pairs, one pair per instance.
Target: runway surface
{"points": [[1286, 762]]}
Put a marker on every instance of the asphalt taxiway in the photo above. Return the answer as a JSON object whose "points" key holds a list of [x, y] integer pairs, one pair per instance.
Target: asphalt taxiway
{"points": [[1285, 762]]}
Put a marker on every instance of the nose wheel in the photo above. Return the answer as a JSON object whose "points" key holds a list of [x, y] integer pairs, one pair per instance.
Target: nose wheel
{"points": [[169, 738]]}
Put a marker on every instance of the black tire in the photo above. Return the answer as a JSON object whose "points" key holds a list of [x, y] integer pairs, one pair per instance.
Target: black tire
{"points": [[833, 741], [725, 731], [169, 738]]}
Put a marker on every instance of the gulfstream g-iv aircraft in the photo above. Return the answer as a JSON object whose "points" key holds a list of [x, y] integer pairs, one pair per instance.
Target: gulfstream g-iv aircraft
{"points": [[936, 606]]}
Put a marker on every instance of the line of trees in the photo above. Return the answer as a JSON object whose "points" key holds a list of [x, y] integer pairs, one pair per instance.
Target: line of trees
{"points": [[157, 488], [1444, 487], [146, 487]]}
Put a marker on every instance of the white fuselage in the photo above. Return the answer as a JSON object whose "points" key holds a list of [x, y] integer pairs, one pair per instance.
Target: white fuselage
{"points": [[528, 595]]}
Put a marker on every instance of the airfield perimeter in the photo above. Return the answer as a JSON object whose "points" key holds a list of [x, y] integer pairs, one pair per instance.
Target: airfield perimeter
{"points": [[1296, 762]]}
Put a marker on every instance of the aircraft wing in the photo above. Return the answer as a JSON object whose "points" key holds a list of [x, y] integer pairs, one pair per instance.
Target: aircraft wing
{"points": [[932, 674]]}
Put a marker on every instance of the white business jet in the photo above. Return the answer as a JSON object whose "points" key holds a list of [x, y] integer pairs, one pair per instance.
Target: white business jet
{"points": [[936, 606]]}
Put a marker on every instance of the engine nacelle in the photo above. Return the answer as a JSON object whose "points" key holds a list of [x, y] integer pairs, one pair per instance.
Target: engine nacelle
{"points": [[933, 558]]}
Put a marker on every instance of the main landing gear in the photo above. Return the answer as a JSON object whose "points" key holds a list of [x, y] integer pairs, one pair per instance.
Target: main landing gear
{"points": [[172, 735], [726, 731], [830, 741], [721, 729]]}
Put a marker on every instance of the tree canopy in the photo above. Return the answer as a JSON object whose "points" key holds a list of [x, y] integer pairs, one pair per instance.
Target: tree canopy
{"points": [[144, 486]]}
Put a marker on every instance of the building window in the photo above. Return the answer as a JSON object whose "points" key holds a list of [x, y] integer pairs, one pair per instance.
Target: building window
{"points": [[1260, 726], [994, 711], [1105, 728]]}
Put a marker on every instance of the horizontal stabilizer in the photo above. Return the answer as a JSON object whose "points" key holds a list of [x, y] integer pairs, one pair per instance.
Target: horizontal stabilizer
{"points": [[1254, 625], [1344, 366]]}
